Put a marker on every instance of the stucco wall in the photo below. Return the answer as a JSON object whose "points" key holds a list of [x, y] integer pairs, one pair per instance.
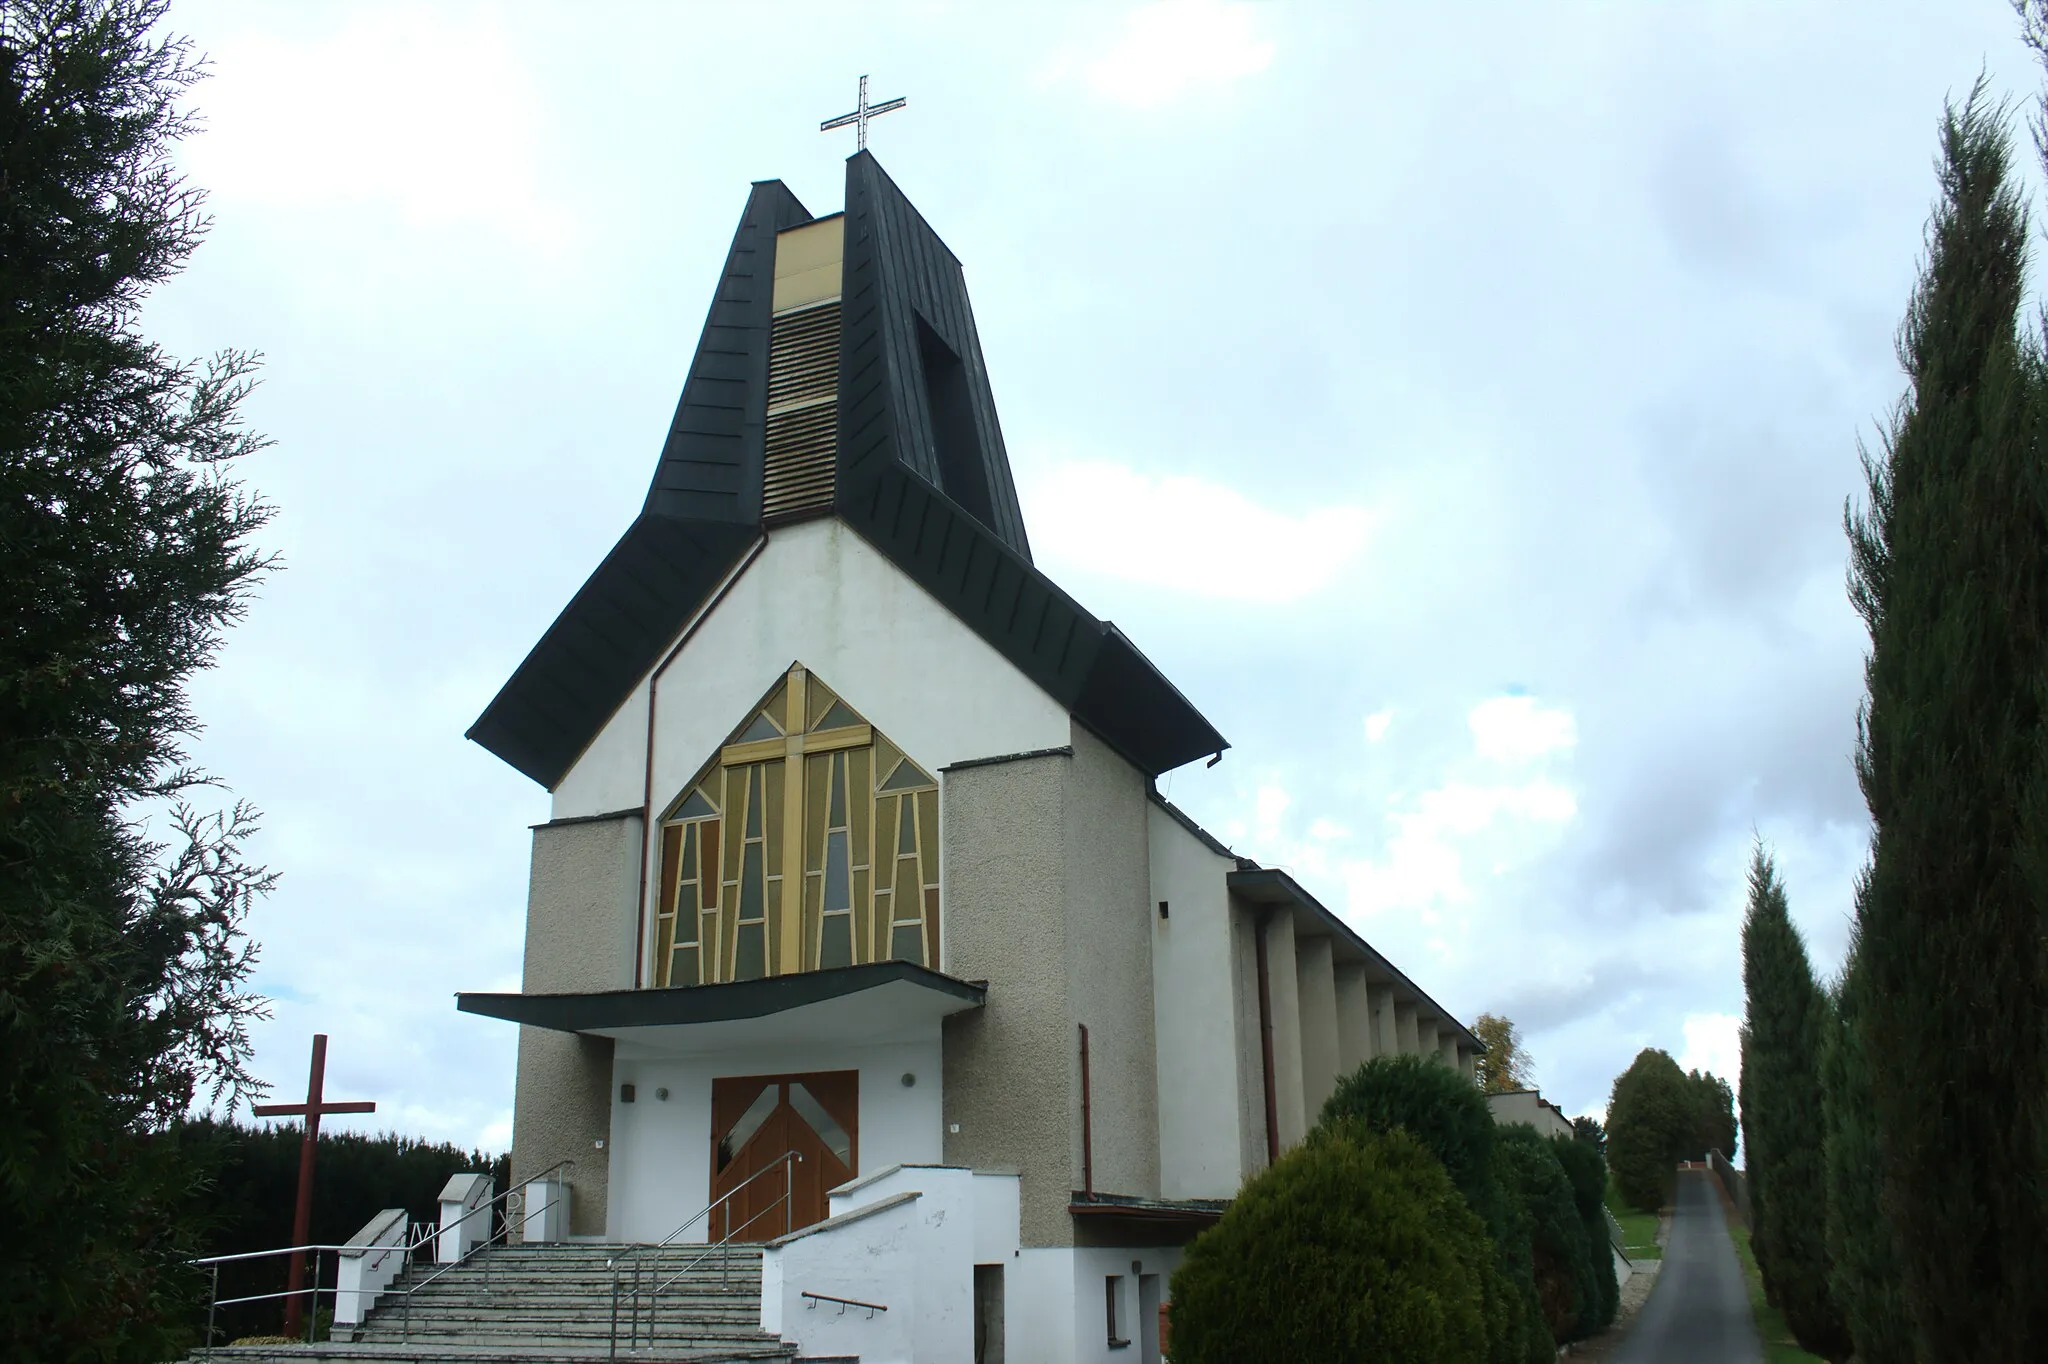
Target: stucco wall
{"points": [[1283, 992], [1354, 1017], [1528, 1106], [1251, 1065], [1195, 1015], [1011, 1068], [1404, 1029], [1109, 963], [1385, 1037], [579, 936], [1316, 974], [820, 594], [662, 1147]]}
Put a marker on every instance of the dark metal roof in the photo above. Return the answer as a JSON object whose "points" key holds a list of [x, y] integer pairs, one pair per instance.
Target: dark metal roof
{"points": [[585, 1012], [704, 508]]}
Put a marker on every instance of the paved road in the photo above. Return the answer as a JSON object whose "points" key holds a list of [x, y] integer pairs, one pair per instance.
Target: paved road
{"points": [[1699, 1311]]}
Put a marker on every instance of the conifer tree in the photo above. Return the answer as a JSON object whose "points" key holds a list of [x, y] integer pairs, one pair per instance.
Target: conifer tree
{"points": [[1651, 1119], [1949, 569], [1864, 1272], [124, 551], [1783, 1122]]}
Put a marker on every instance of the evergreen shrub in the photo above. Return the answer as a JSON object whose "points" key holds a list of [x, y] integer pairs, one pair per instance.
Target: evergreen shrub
{"points": [[1651, 1119], [1561, 1263], [1586, 1169], [1355, 1245]]}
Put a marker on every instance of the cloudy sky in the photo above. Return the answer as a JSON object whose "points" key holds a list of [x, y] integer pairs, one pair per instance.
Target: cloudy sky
{"points": [[1458, 402]]}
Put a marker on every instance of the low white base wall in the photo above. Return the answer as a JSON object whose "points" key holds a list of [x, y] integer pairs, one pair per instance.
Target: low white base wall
{"points": [[375, 1256]]}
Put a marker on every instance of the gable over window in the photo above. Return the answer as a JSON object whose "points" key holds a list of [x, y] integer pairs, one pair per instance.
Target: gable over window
{"points": [[809, 841]]}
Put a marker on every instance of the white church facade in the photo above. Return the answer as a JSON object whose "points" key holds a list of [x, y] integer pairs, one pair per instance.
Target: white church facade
{"points": [[859, 928]]}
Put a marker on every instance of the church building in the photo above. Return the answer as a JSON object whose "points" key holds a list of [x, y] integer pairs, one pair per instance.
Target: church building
{"points": [[860, 929]]}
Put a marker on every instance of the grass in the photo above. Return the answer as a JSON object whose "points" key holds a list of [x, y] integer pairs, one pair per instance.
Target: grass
{"points": [[1638, 1229], [1779, 1347]]}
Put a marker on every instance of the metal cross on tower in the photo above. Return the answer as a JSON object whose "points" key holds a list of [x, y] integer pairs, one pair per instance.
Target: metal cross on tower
{"points": [[862, 112], [302, 1219]]}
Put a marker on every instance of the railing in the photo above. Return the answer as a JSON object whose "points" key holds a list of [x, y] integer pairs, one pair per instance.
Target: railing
{"points": [[311, 1294], [525, 1214], [844, 1303], [1614, 1232], [788, 1160], [417, 1234], [1733, 1183]]}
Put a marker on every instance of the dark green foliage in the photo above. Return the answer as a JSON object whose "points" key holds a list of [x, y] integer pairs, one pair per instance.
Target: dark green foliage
{"points": [[1864, 1272], [1783, 1123], [1592, 1132], [1757, 1249], [1950, 573], [250, 1202], [1524, 1337], [1651, 1121], [1449, 1116], [1562, 1258], [1355, 1245], [1714, 1116], [1586, 1170], [124, 553], [1441, 1108]]}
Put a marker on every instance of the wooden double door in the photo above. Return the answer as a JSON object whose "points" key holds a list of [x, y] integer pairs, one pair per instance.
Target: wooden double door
{"points": [[755, 1121]]}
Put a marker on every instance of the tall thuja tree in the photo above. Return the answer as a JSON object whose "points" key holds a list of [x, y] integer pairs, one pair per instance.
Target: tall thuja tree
{"points": [[1784, 1123], [1864, 1273], [1949, 569], [124, 551]]}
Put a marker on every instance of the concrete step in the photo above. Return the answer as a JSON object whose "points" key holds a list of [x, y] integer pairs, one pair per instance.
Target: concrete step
{"points": [[420, 1352]]}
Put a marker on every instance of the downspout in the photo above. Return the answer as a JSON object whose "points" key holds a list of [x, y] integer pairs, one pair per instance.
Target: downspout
{"points": [[647, 773], [1266, 1040], [1087, 1133]]}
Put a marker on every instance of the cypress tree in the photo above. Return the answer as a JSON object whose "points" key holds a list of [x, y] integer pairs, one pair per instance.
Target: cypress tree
{"points": [[1865, 1274], [124, 554], [1949, 569], [1784, 1124]]}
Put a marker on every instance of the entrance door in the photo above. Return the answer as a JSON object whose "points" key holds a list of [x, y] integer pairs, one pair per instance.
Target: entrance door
{"points": [[755, 1120]]}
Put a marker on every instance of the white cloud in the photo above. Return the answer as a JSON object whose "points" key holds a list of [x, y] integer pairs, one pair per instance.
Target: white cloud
{"points": [[1515, 730], [1185, 533], [1376, 725], [1713, 1042], [446, 126], [1168, 50]]}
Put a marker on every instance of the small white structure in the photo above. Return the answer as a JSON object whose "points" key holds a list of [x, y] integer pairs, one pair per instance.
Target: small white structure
{"points": [[1529, 1106], [544, 1211], [374, 1257], [465, 1216]]}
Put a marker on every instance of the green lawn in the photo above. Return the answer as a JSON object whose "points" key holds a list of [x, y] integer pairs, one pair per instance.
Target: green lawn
{"points": [[1779, 1347], [1638, 1229]]}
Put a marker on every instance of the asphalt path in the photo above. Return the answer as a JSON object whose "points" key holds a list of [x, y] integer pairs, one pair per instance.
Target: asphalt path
{"points": [[1698, 1313]]}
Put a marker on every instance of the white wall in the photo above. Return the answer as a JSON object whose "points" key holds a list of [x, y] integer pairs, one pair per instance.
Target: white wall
{"points": [[915, 1257], [820, 594], [1089, 1267], [661, 1149], [1194, 1016]]}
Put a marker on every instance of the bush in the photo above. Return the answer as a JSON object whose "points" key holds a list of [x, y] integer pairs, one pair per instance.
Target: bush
{"points": [[1441, 1108], [1651, 1120], [1523, 1336], [1586, 1169], [1533, 1176], [1355, 1245]]}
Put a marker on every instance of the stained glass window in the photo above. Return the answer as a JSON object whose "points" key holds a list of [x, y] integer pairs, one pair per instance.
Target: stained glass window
{"points": [[808, 842]]}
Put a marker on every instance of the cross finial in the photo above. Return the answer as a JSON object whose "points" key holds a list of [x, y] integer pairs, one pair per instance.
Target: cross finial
{"points": [[862, 112]]}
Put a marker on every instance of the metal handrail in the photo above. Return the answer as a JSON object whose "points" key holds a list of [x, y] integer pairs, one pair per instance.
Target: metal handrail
{"points": [[405, 1247], [405, 1325], [788, 1160], [844, 1303]]}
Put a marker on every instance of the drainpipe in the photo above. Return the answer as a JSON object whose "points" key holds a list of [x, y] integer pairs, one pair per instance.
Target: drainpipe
{"points": [[1087, 1133], [1266, 1040], [647, 772]]}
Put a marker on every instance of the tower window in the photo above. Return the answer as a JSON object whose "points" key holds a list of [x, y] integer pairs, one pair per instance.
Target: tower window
{"points": [[963, 468]]}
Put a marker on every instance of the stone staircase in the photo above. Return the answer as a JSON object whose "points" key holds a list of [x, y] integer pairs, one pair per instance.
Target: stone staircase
{"points": [[529, 1304]]}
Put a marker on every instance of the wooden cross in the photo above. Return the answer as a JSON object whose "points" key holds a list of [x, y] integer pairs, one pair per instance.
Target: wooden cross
{"points": [[302, 1219], [862, 112]]}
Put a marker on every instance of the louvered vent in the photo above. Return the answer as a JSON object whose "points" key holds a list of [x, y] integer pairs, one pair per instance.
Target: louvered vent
{"points": [[803, 412]]}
